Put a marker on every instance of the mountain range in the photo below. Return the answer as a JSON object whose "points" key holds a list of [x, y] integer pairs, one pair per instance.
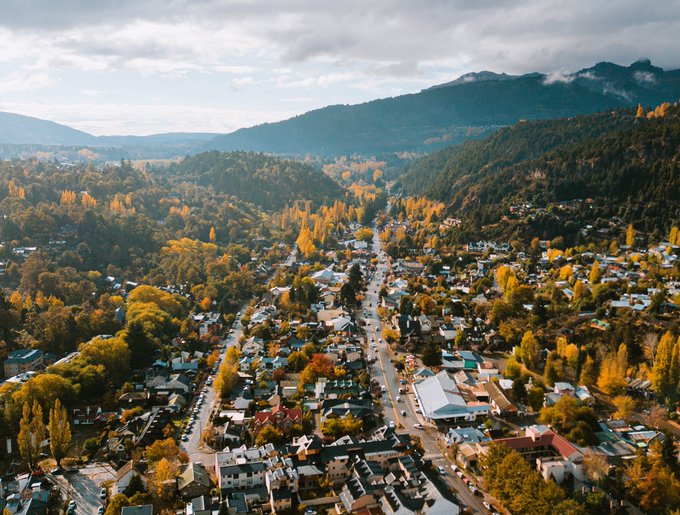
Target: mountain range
{"points": [[472, 106]]}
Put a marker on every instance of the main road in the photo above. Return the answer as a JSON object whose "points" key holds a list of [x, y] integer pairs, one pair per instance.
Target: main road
{"points": [[401, 411]]}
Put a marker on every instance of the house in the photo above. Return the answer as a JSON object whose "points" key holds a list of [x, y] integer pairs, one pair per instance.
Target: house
{"points": [[22, 361], [141, 509], [541, 445], [441, 400], [87, 415], [123, 477], [280, 417], [193, 481], [500, 404]]}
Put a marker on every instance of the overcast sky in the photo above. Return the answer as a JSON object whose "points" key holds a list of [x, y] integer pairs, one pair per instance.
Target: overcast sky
{"points": [[147, 66]]}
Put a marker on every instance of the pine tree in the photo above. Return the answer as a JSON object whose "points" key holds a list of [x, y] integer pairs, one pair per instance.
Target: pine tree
{"points": [[666, 368], [212, 236], [60, 432], [640, 112]]}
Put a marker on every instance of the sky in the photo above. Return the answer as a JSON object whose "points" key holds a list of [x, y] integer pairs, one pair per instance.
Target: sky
{"points": [[151, 66]]}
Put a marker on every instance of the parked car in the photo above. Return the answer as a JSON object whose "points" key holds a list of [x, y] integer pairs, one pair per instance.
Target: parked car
{"points": [[103, 493], [418, 426], [442, 470]]}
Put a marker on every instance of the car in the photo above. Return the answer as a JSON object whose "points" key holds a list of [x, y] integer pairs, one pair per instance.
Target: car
{"points": [[103, 492], [402, 381], [72, 503], [382, 388], [184, 437], [100, 510], [487, 505], [418, 410], [473, 489], [398, 399], [460, 474], [56, 471], [441, 470], [418, 426], [205, 389], [453, 467]]}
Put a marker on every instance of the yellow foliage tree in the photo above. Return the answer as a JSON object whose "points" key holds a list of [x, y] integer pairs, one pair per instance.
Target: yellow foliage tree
{"points": [[212, 236], [640, 111], [68, 198], [630, 236], [612, 378], [87, 200]]}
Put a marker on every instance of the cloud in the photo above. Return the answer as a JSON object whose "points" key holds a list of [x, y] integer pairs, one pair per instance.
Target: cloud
{"points": [[246, 54], [644, 77], [558, 78]]}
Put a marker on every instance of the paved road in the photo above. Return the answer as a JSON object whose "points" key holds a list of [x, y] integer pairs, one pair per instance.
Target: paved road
{"points": [[84, 485], [385, 373], [193, 447], [198, 452]]}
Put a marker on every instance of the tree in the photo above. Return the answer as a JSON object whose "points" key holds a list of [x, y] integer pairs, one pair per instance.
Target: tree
{"points": [[212, 236], [625, 406], [432, 354], [297, 361], [116, 504], [141, 346], [32, 433], [364, 234], [535, 398], [596, 466], [612, 378], [595, 273], [162, 449], [164, 479], [227, 377], [588, 372], [630, 236], [640, 113], [348, 296], [60, 432], [529, 350], [666, 368], [268, 434]]}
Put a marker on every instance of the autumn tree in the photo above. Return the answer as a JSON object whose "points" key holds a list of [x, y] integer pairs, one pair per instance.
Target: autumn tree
{"points": [[432, 354], [164, 477], [32, 433], [268, 434], [212, 236], [529, 350], [625, 406], [588, 375], [612, 378], [640, 113], [666, 369], [162, 449], [630, 236], [60, 432], [595, 273]]}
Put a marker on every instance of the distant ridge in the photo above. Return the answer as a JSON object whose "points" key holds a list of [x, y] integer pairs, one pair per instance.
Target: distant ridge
{"points": [[469, 107]]}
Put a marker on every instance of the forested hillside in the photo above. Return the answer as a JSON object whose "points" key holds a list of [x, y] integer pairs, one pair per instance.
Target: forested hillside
{"points": [[453, 113], [627, 163], [270, 182]]}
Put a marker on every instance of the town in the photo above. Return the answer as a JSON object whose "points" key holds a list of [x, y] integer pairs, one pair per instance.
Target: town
{"points": [[379, 370]]}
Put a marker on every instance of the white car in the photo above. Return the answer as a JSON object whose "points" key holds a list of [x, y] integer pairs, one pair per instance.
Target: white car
{"points": [[442, 470], [392, 426], [418, 426], [487, 505]]}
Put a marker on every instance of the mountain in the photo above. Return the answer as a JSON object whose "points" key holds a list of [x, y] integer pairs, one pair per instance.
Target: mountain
{"points": [[457, 111], [258, 178], [626, 164], [19, 129], [23, 136]]}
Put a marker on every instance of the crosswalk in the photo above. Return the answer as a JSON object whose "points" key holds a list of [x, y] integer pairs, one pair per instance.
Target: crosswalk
{"points": [[433, 456]]}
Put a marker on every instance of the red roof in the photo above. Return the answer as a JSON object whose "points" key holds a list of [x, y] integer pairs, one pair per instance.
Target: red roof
{"points": [[549, 438]]}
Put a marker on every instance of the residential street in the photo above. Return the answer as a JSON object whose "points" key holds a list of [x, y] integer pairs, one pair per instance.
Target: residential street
{"points": [[386, 374], [193, 447]]}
